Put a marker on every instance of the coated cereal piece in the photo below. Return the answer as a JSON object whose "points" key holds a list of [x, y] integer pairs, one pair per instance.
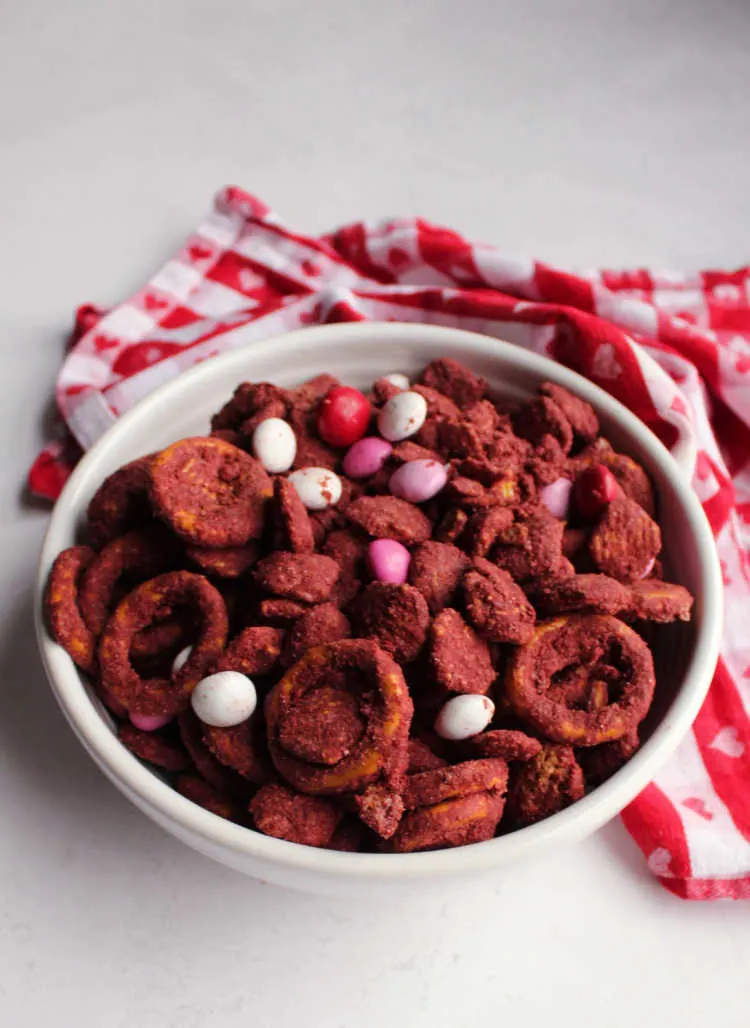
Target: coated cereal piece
{"points": [[143, 606], [484, 529], [599, 763], [383, 390], [569, 643], [275, 408], [547, 783], [321, 624], [292, 527], [388, 517], [373, 748], [541, 417], [532, 547], [297, 576], [380, 808], [625, 541], [597, 594], [279, 811], [455, 381], [307, 396], [459, 439], [280, 613], [311, 453], [120, 503], [248, 398], [581, 415], [505, 743], [466, 493], [348, 550], [599, 451], [395, 616], [484, 419], [632, 479], [243, 749], [436, 570], [451, 526], [421, 758], [448, 783], [139, 554], [407, 450], [210, 492], [495, 605], [232, 562], [198, 790], [439, 408], [221, 778], [255, 651], [62, 611], [652, 600], [154, 748], [459, 660], [459, 822], [547, 462]]}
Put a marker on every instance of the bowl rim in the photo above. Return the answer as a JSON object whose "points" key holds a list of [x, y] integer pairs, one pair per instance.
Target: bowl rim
{"points": [[148, 791]]}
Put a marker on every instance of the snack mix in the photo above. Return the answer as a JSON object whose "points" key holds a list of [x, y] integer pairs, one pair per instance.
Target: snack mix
{"points": [[400, 621]]}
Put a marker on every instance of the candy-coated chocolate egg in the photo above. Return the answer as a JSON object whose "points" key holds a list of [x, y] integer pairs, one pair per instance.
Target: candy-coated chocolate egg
{"points": [[149, 722], [318, 488], [224, 699], [388, 561], [418, 480], [402, 416], [275, 445], [398, 380], [556, 497], [343, 416], [367, 457], [464, 716]]}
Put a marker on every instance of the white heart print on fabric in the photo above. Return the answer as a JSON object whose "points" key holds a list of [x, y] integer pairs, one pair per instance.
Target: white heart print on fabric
{"points": [[605, 364], [659, 863], [728, 742]]}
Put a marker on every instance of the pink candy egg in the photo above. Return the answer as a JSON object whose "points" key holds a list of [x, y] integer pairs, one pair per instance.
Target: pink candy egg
{"points": [[366, 457], [556, 497], [149, 722], [388, 561], [418, 480]]}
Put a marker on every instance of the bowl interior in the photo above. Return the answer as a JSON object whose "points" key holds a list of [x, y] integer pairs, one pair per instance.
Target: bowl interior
{"points": [[358, 355]]}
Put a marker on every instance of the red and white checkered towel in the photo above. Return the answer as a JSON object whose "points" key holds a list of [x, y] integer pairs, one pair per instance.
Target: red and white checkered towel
{"points": [[244, 266]]}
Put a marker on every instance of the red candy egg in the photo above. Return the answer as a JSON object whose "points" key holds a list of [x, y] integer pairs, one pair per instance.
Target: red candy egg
{"points": [[343, 416], [594, 490]]}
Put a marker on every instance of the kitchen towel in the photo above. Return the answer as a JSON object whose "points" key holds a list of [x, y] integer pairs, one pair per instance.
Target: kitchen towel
{"points": [[673, 347]]}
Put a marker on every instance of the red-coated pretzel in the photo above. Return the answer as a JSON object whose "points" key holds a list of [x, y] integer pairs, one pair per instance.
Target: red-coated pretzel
{"points": [[210, 492], [284, 814], [63, 614], [140, 554], [154, 748], [447, 783], [366, 693], [580, 641], [120, 503], [457, 822], [230, 562], [146, 604], [549, 782]]}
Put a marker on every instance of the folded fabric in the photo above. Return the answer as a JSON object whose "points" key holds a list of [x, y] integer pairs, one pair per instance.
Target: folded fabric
{"points": [[674, 348]]}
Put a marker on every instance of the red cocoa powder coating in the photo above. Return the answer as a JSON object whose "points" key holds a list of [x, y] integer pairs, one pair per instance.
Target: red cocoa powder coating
{"points": [[231, 562], [377, 683], [581, 415], [549, 782], [458, 822], [388, 517], [154, 747], [542, 417], [455, 381], [447, 783], [199, 791], [597, 594], [495, 605], [625, 541], [652, 600], [380, 809], [436, 570], [307, 577], [120, 503], [348, 550], [284, 814], [395, 616], [255, 651], [221, 778], [61, 606], [580, 641], [280, 613], [242, 748], [144, 605], [505, 743], [248, 399], [322, 624], [421, 757], [209, 492], [459, 660], [484, 529], [291, 523]]}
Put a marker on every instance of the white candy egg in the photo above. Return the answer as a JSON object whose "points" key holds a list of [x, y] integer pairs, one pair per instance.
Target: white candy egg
{"points": [[464, 716], [318, 488], [275, 445], [402, 416], [181, 659], [224, 699], [398, 380]]}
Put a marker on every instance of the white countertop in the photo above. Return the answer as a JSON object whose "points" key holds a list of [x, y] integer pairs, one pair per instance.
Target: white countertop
{"points": [[586, 133]]}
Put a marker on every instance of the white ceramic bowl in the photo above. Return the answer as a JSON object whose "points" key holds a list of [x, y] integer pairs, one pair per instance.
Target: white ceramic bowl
{"points": [[358, 354]]}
